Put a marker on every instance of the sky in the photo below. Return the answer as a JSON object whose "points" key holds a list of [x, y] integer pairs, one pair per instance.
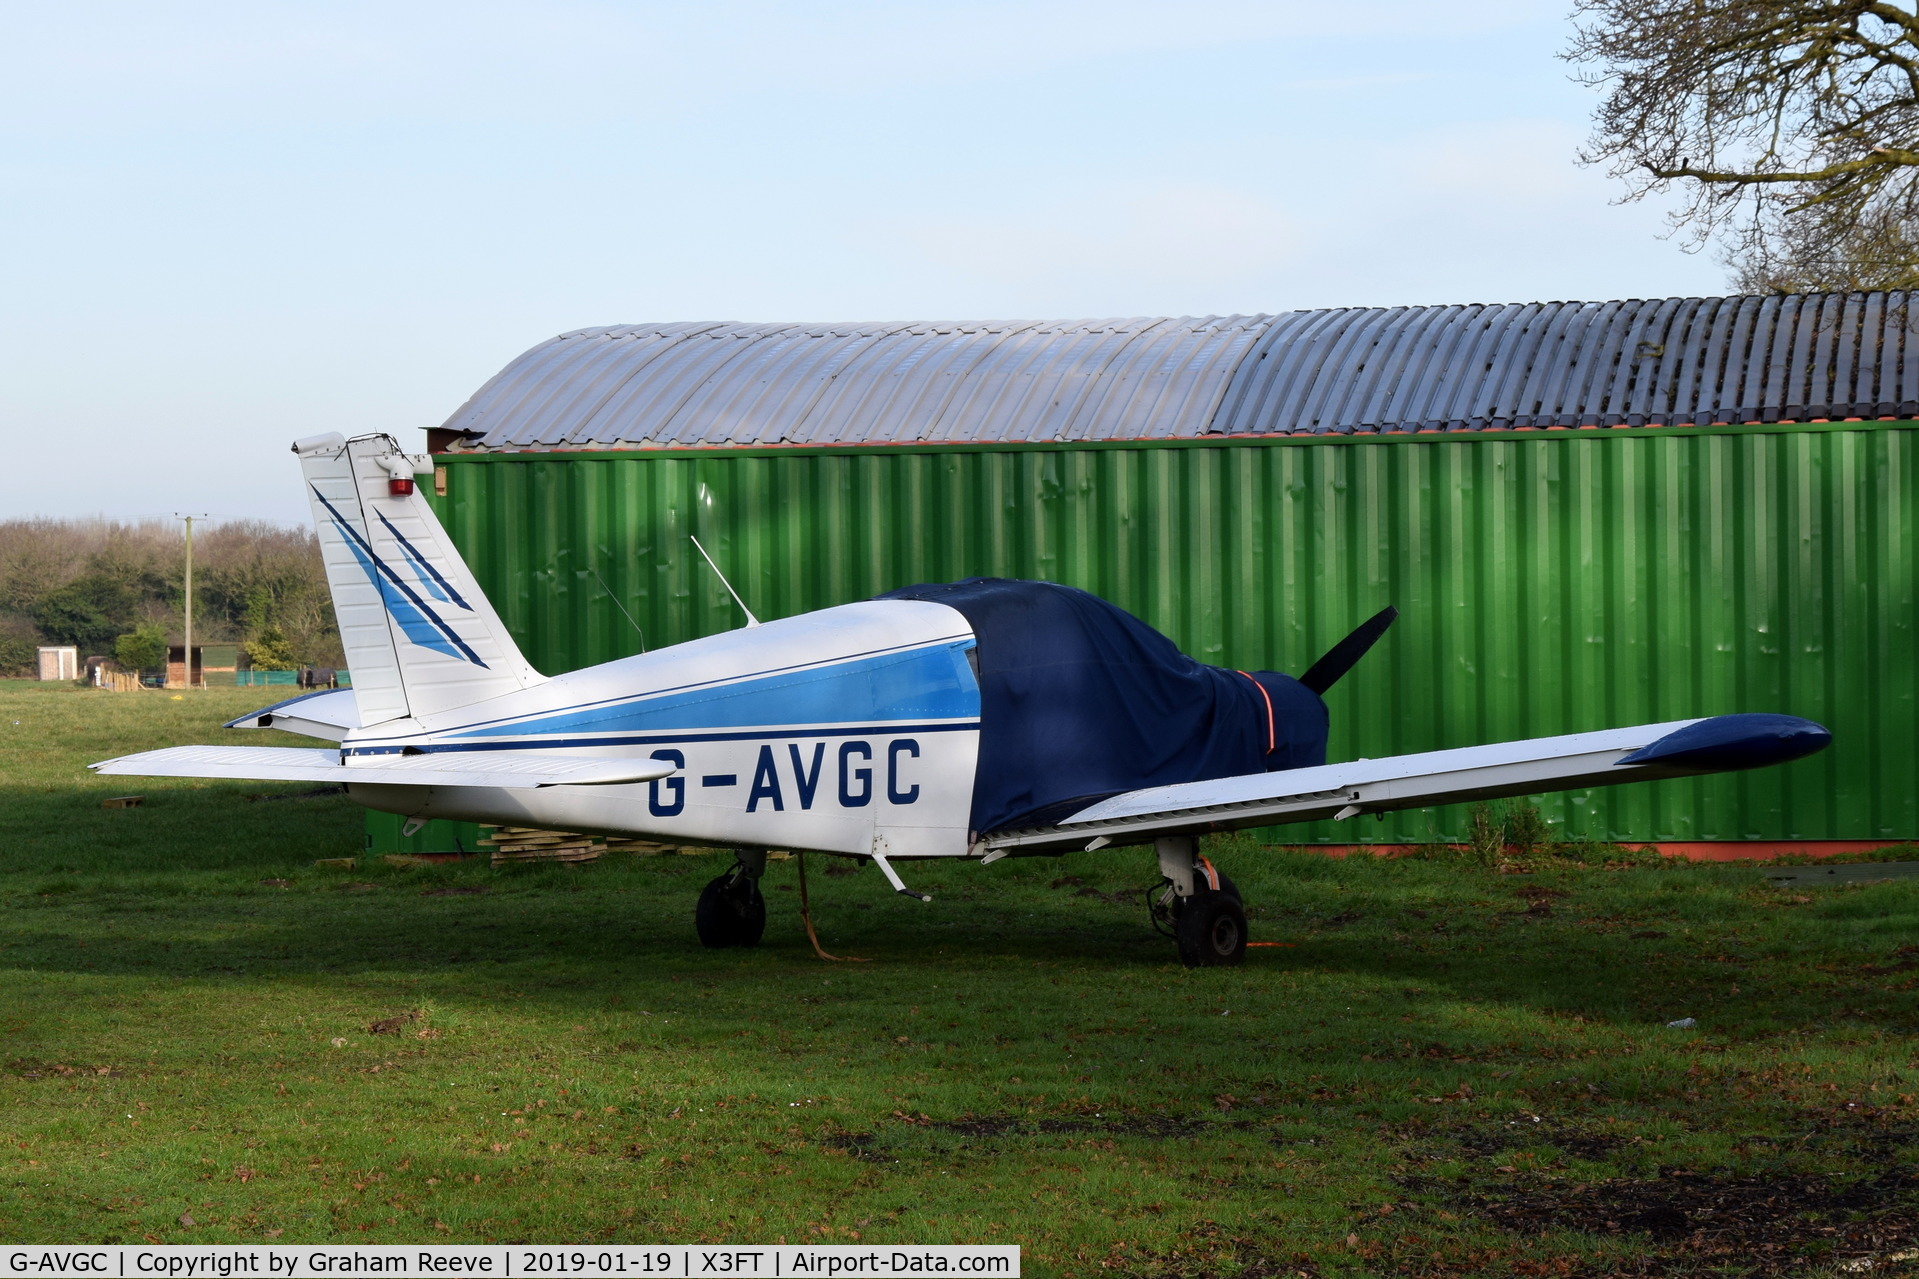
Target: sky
{"points": [[227, 226]]}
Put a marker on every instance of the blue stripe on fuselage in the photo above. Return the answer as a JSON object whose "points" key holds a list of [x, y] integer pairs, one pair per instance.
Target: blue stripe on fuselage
{"points": [[931, 683], [811, 731]]}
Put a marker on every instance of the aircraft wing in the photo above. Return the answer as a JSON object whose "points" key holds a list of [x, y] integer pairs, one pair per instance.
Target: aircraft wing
{"points": [[512, 770], [1682, 748]]}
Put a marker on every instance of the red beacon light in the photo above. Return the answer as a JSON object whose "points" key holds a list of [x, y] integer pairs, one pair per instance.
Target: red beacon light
{"points": [[399, 471]]}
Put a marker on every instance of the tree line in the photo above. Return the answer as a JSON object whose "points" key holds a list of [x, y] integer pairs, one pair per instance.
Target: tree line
{"points": [[116, 589]]}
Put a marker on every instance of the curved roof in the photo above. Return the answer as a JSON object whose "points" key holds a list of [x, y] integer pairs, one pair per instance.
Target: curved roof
{"points": [[1476, 367]]}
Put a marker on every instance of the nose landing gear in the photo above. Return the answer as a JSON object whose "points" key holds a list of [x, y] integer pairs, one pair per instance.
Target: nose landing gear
{"points": [[731, 911], [1200, 908]]}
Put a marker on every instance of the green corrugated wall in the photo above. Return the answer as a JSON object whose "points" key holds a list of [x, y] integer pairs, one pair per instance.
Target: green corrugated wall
{"points": [[1548, 581]]}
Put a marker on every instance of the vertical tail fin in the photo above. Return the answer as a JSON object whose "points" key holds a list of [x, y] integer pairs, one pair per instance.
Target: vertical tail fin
{"points": [[419, 636]]}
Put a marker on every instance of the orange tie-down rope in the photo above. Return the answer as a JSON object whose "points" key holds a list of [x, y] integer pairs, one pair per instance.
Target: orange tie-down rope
{"points": [[806, 917]]}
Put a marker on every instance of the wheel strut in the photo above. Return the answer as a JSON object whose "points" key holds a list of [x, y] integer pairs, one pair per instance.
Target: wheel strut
{"points": [[1204, 909]]}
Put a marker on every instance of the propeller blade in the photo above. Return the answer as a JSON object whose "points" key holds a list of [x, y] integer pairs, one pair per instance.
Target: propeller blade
{"points": [[1339, 659]]}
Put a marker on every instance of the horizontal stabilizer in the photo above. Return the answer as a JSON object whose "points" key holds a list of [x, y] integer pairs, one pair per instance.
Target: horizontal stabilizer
{"points": [[329, 714], [1649, 752], [512, 770]]}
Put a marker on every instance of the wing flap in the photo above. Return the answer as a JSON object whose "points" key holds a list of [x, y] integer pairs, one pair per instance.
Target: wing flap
{"points": [[508, 770], [1608, 757]]}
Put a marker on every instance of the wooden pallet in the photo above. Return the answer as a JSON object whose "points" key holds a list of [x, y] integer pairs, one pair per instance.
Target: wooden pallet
{"points": [[638, 847], [524, 844]]}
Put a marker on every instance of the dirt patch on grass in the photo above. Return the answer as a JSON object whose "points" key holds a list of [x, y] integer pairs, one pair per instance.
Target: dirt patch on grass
{"points": [[1539, 899], [1002, 1125], [395, 1024], [860, 1145], [1207, 1249], [1744, 1225], [1578, 1142], [31, 1068], [1905, 959]]}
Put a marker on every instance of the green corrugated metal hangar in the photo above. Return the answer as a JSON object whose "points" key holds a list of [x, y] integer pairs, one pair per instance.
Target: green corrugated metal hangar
{"points": [[1589, 514]]}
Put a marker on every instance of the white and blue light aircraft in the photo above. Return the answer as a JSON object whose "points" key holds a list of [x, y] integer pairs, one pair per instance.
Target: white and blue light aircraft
{"points": [[857, 731]]}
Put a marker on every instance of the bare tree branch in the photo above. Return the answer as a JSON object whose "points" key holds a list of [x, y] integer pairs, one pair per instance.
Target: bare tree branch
{"points": [[1790, 128]]}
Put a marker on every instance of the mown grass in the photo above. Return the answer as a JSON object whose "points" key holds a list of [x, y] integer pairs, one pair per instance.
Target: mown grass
{"points": [[1447, 1069]]}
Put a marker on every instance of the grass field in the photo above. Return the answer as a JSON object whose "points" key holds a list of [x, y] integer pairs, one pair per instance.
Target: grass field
{"points": [[1448, 1070]]}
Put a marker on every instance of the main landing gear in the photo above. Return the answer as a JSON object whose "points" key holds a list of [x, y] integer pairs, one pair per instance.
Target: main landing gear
{"points": [[1200, 908], [731, 911]]}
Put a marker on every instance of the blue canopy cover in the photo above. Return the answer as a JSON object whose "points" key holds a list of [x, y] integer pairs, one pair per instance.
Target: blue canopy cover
{"points": [[1079, 700]]}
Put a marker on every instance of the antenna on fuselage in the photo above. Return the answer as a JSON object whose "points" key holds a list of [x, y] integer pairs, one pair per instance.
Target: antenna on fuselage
{"points": [[750, 619], [616, 604]]}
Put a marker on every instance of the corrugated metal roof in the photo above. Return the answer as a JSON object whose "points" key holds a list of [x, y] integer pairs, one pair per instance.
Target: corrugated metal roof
{"points": [[1551, 364]]}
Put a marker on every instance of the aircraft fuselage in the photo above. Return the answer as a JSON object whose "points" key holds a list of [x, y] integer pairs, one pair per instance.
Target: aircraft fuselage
{"points": [[850, 730]]}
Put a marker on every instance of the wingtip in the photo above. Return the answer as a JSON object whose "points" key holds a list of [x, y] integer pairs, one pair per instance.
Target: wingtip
{"points": [[1728, 743]]}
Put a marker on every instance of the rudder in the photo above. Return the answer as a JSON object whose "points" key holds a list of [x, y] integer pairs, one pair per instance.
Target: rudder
{"points": [[419, 635]]}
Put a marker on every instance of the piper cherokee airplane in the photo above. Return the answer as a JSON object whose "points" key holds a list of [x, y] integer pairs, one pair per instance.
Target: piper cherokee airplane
{"points": [[981, 719]]}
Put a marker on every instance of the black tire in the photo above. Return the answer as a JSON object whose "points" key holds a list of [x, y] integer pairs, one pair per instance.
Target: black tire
{"points": [[1212, 931], [731, 912]]}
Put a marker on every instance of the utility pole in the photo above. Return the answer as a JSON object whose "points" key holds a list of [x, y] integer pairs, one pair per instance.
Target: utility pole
{"points": [[187, 665]]}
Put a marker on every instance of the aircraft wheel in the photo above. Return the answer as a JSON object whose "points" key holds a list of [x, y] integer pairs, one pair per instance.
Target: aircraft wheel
{"points": [[1212, 931], [731, 912], [1226, 886]]}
